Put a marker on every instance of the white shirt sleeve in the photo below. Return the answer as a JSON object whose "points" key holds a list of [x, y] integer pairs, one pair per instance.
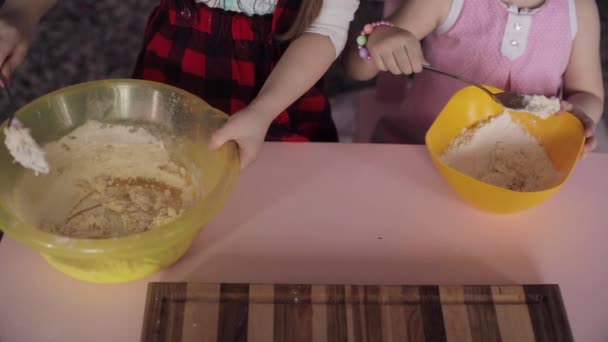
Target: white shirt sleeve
{"points": [[333, 21]]}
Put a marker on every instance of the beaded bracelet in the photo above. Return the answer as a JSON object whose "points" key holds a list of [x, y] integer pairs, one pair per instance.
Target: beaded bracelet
{"points": [[362, 38]]}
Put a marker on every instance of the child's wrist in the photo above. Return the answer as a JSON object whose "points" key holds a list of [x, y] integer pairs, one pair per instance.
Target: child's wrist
{"points": [[264, 113], [363, 37]]}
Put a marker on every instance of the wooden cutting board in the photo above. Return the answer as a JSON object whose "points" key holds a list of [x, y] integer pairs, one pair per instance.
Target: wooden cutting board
{"points": [[266, 313]]}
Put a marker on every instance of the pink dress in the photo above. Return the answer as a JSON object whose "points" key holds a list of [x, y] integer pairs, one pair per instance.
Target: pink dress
{"points": [[489, 42]]}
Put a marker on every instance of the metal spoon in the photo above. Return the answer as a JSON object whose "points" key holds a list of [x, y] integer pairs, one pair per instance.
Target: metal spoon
{"points": [[12, 107], [507, 99]]}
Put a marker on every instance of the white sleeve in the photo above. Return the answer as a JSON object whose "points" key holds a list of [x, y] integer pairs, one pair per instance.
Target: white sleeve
{"points": [[333, 21]]}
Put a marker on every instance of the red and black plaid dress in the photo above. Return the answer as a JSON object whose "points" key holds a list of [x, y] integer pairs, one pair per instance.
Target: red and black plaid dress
{"points": [[225, 58]]}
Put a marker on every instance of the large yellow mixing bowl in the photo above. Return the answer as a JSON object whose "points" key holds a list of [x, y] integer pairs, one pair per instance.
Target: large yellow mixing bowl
{"points": [[135, 256], [562, 137]]}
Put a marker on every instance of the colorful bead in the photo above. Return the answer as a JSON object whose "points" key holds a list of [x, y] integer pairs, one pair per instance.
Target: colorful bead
{"points": [[365, 32], [363, 53], [361, 40]]}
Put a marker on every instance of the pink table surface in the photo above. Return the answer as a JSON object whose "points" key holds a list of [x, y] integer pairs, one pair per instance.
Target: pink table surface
{"points": [[341, 214]]}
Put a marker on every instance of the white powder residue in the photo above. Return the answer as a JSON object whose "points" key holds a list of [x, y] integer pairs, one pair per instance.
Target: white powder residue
{"points": [[500, 152], [24, 148], [542, 106]]}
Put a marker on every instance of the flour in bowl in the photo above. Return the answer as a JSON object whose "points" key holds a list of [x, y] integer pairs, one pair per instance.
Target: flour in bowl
{"points": [[542, 106], [500, 152], [110, 180]]}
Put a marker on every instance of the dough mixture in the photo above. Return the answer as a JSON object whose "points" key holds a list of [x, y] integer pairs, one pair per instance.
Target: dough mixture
{"points": [[500, 152], [120, 206], [116, 180]]}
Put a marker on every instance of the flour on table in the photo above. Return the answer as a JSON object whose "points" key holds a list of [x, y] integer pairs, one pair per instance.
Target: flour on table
{"points": [[24, 148], [541, 106], [500, 152]]}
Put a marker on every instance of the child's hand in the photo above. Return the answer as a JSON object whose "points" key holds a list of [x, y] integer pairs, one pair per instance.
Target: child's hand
{"points": [[395, 50], [248, 129], [588, 124], [16, 29]]}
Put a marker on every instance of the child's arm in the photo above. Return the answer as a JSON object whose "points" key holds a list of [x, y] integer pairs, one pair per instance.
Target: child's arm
{"points": [[397, 49], [583, 85], [306, 59], [18, 19], [304, 62], [301, 66]]}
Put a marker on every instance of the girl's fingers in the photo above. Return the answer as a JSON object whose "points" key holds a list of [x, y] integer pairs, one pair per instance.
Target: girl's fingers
{"points": [[391, 64], [246, 156], [590, 144], [587, 122], [379, 63], [15, 59], [416, 58], [403, 61]]}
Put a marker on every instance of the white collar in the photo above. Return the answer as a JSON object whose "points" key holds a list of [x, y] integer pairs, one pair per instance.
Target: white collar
{"points": [[522, 11]]}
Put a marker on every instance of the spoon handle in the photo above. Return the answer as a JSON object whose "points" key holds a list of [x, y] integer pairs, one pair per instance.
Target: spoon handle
{"points": [[445, 73]]}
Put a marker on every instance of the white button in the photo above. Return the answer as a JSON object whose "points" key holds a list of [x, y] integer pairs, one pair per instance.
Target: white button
{"points": [[186, 13], [518, 26], [514, 43]]}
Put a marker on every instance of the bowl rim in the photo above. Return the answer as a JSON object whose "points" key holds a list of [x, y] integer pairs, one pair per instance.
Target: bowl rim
{"points": [[439, 160], [167, 233]]}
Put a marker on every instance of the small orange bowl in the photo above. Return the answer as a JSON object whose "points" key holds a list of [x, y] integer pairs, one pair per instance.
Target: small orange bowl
{"points": [[562, 136]]}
